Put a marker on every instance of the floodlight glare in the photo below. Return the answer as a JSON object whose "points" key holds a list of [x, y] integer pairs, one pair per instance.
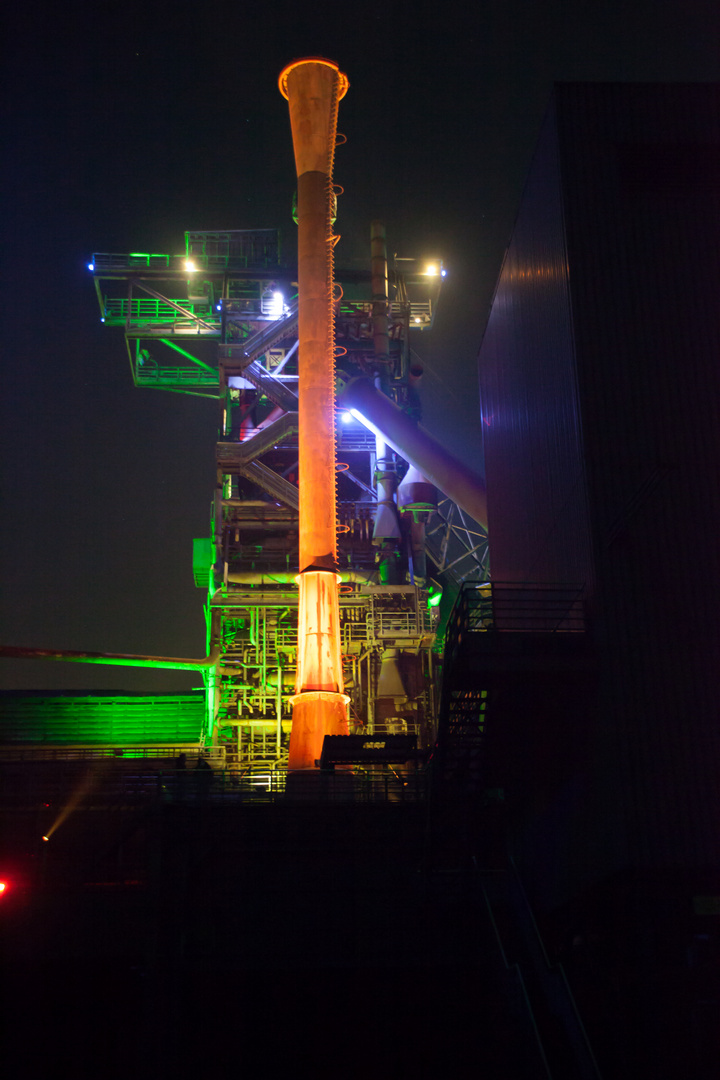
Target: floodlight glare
{"points": [[190, 266], [431, 270]]}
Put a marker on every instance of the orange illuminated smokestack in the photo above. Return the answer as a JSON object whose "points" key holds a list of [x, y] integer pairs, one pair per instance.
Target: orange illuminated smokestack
{"points": [[313, 88]]}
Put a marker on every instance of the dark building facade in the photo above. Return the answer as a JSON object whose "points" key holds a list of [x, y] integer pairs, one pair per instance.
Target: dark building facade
{"points": [[600, 399]]}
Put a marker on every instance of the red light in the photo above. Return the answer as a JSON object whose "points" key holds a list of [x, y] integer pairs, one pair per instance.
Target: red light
{"points": [[3, 886]]}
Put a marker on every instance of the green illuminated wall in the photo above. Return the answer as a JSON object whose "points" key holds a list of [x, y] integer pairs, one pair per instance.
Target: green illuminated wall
{"points": [[101, 721]]}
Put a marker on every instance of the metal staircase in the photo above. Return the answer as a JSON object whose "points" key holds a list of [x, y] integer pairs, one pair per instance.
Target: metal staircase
{"points": [[255, 346], [461, 732], [500, 636], [236, 455]]}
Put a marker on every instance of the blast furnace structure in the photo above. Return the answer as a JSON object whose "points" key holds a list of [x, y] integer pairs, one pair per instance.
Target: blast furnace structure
{"points": [[336, 524]]}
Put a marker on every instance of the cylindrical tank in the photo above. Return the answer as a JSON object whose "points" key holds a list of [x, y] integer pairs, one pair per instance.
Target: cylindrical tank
{"points": [[415, 494]]}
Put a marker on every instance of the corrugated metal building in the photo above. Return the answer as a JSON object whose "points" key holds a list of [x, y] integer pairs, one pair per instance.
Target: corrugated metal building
{"points": [[600, 398]]}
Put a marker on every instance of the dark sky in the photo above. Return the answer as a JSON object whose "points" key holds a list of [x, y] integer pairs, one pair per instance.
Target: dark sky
{"points": [[127, 124]]}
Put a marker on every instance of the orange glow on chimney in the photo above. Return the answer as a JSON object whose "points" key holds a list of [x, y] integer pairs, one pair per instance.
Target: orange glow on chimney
{"points": [[313, 88]]}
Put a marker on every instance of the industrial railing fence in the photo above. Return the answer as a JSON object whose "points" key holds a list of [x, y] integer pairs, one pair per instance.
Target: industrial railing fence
{"points": [[518, 607], [100, 781]]}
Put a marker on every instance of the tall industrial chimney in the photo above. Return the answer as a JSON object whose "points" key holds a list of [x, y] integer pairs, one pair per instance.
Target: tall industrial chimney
{"points": [[313, 88]]}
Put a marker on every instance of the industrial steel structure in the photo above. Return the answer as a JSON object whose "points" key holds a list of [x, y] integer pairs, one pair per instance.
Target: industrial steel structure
{"points": [[573, 743], [354, 495]]}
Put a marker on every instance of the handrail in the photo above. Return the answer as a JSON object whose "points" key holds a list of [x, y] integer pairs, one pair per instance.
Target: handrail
{"points": [[157, 776], [277, 486], [258, 343], [273, 388], [552, 986], [239, 454], [576, 1031], [161, 376], [122, 753], [104, 260], [141, 308], [517, 607], [514, 970]]}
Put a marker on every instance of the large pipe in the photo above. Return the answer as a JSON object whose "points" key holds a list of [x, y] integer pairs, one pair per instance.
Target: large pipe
{"points": [[313, 88], [73, 656], [386, 531], [418, 447]]}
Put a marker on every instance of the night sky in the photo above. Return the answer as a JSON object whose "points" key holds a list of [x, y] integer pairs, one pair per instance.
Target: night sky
{"points": [[127, 124]]}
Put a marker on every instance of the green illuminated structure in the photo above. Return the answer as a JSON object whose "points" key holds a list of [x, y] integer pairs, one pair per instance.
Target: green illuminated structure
{"points": [[220, 321], [100, 722], [226, 310]]}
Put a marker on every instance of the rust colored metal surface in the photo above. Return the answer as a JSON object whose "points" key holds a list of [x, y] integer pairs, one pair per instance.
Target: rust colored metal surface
{"points": [[313, 88], [319, 707], [316, 713], [316, 389], [319, 665]]}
